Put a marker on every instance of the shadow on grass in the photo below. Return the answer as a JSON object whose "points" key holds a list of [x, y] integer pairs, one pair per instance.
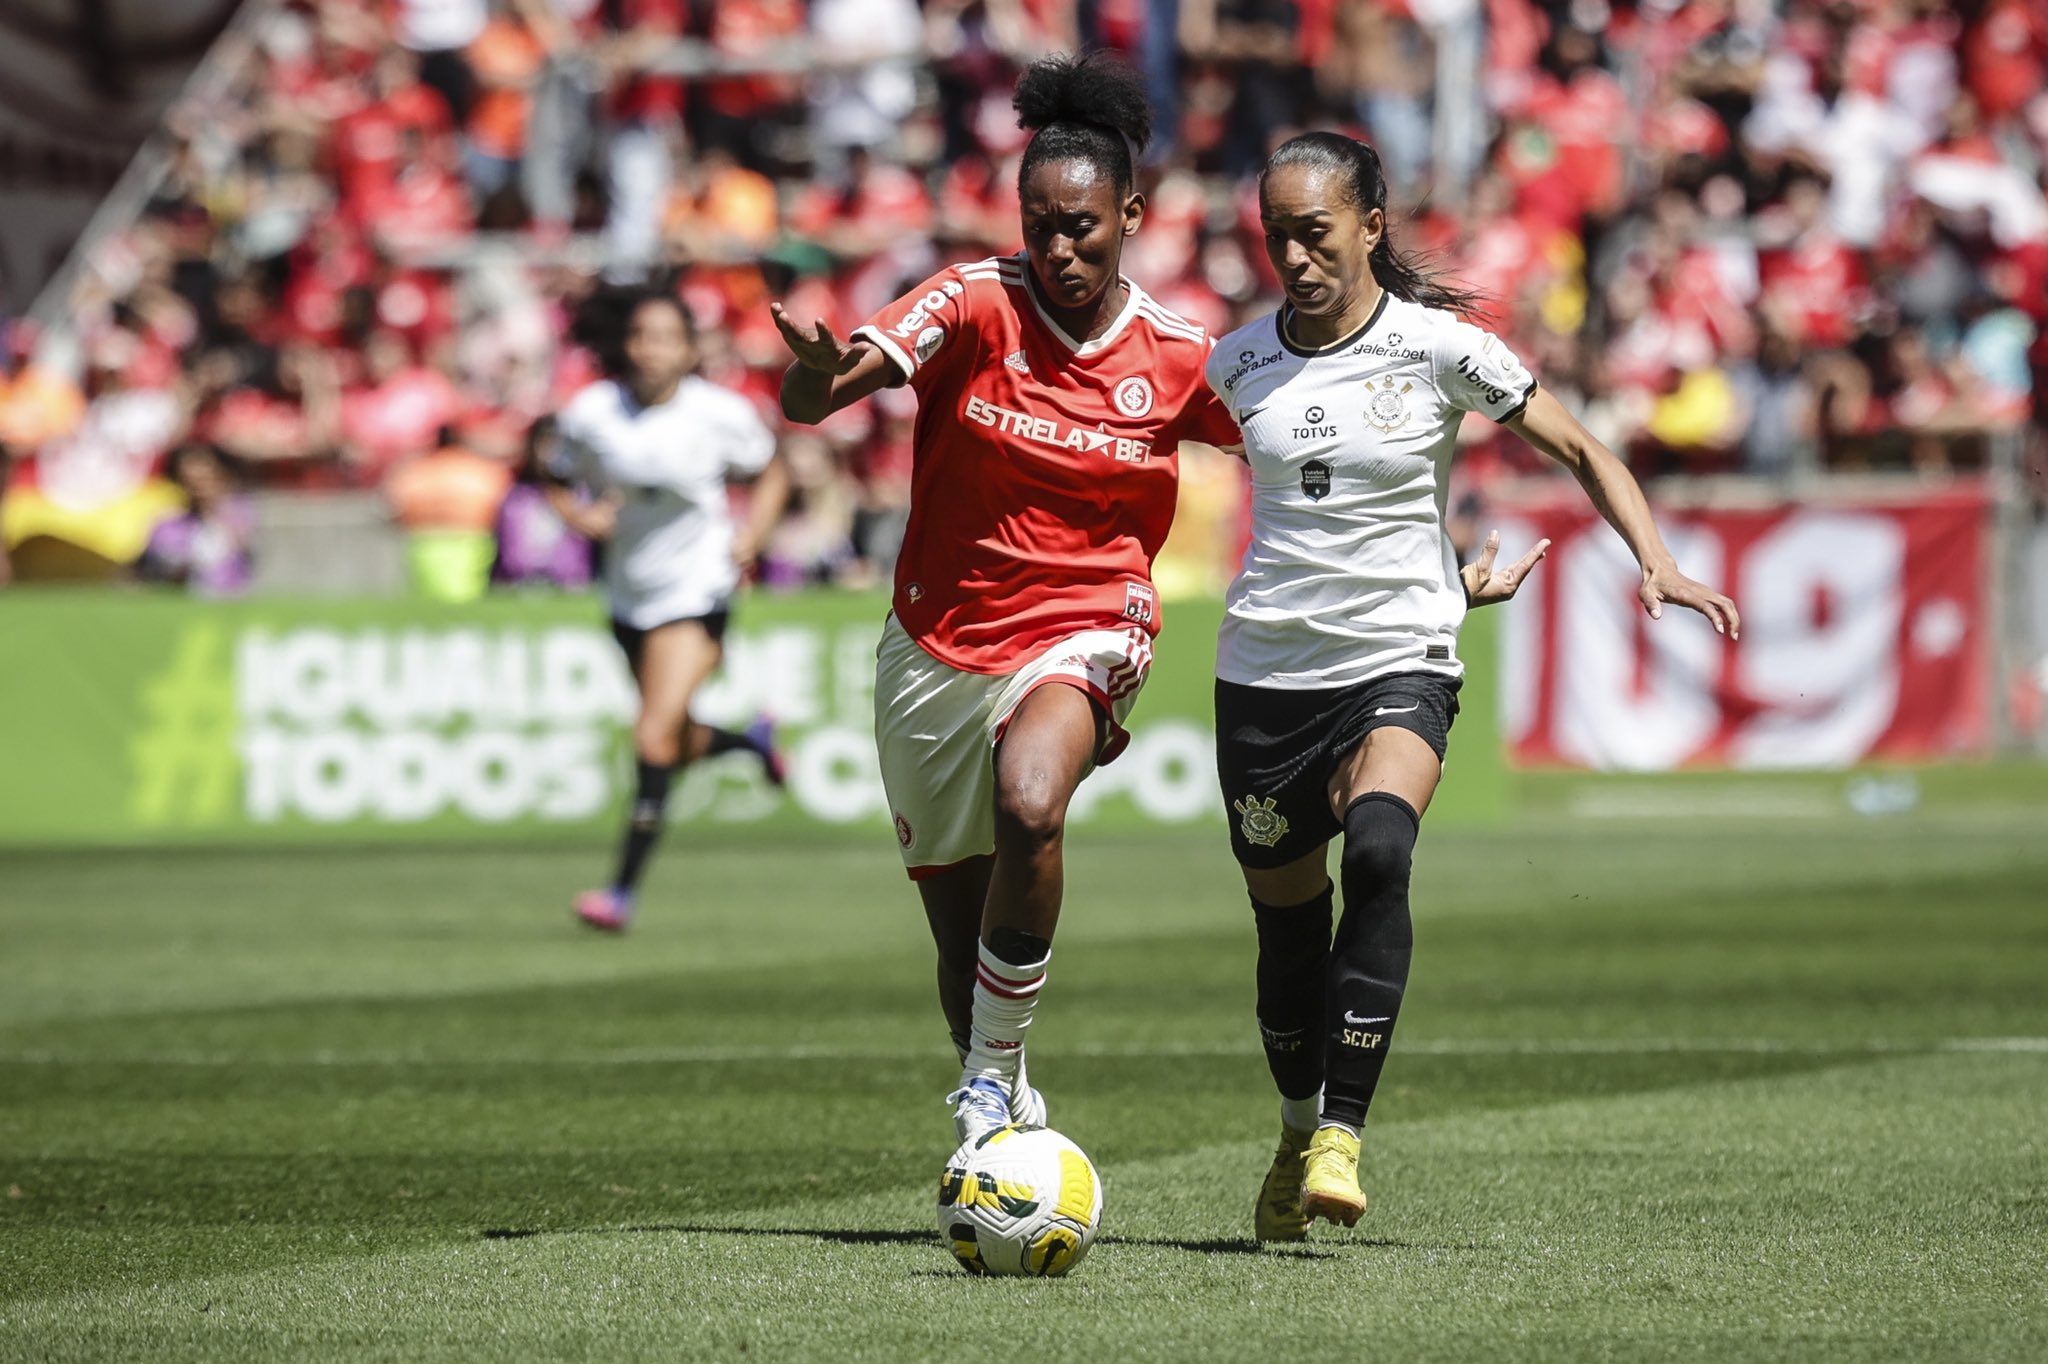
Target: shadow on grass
{"points": [[893, 1237]]}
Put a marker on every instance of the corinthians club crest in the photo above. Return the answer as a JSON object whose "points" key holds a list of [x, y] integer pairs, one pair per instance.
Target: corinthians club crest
{"points": [[1385, 406], [1259, 822]]}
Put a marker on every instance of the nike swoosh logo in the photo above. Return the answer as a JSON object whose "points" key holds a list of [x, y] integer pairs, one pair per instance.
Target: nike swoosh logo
{"points": [[1249, 415], [1350, 1017], [1396, 710]]}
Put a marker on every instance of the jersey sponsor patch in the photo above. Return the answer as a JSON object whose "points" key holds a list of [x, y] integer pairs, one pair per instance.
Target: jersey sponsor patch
{"points": [[1051, 431], [1485, 383], [1315, 427], [1315, 480], [1494, 373], [1134, 396], [1248, 362], [928, 342], [1393, 348], [933, 300]]}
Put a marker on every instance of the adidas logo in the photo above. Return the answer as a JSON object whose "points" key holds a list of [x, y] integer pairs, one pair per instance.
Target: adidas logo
{"points": [[1015, 360]]}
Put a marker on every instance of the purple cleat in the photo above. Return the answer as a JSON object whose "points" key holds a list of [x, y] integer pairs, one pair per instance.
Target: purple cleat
{"points": [[761, 735], [610, 910]]}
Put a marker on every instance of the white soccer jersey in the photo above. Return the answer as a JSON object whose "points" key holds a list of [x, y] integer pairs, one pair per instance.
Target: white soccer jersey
{"points": [[670, 556], [1350, 574]]}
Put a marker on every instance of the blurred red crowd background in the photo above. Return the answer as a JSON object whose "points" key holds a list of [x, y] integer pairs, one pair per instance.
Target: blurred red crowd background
{"points": [[1736, 235]]}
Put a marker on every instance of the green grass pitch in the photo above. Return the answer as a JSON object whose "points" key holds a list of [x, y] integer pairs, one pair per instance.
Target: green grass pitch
{"points": [[1665, 1089]]}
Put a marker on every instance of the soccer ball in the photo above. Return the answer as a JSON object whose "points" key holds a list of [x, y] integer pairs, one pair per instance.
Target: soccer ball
{"points": [[1021, 1200]]}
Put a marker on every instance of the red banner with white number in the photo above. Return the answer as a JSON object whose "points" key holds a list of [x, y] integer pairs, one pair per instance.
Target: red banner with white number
{"points": [[1864, 635]]}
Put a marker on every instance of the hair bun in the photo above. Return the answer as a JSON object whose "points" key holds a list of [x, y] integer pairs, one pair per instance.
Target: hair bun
{"points": [[1094, 87]]}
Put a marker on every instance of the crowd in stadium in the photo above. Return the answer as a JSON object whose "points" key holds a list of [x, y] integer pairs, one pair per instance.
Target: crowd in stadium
{"points": [[1770, 236]]}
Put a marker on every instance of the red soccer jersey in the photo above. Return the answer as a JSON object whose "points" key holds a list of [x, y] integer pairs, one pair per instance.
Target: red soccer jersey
{"points": [[1044, 469]]}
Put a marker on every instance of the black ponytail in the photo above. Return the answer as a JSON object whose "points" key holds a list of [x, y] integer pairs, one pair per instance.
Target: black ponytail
{"points": [[1088, 108], [1356, 166]]}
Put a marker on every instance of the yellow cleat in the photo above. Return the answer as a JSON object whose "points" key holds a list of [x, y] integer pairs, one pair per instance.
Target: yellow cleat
{"points": [[1329, 1184], [1278, 1216]]}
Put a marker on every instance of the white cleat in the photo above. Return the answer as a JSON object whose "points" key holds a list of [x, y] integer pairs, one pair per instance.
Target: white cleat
{"points": [[980, 1106], [1027, 1108], [1027, 1105]]}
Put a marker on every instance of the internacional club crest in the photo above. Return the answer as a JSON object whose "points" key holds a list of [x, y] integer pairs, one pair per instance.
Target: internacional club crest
{"points": [[1385, 406], [1134, 396], [1259, 822]]}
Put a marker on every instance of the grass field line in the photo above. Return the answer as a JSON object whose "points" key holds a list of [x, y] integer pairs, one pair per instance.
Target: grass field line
{"points": [[1446, 1046]]}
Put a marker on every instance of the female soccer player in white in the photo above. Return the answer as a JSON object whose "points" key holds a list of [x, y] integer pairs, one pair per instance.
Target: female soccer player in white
{"points": [[1337, 667], [1053, 395], [641, 460]]}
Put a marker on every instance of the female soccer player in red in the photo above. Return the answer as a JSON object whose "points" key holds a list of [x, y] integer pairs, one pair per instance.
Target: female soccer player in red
{"points": [[1053, 395], [1337, 667]]}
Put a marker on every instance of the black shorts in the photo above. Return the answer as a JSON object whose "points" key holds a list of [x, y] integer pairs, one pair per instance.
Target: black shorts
{"points": [[1276, 751], [633, 639]]}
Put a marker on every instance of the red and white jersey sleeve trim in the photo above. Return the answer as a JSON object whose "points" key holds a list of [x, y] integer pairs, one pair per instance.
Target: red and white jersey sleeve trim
{"points": [[913, 329], [896, 354]]}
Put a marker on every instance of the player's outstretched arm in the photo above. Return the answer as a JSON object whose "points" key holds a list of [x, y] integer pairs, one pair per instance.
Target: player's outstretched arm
{"points": [[768, 500], [1547, 426], [829, 373]]}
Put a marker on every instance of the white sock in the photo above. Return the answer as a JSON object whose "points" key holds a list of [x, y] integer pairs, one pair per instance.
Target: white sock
{"points": [[1343, 1127], [1004, 995], [1302, 1114]]}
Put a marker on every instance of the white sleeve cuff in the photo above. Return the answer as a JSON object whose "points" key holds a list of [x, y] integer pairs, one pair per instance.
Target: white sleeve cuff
{"points": [[874, 337]]}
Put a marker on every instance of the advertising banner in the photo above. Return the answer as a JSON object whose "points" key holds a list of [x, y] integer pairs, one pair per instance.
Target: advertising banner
{"points": [[142, 718], [1864, 635]]}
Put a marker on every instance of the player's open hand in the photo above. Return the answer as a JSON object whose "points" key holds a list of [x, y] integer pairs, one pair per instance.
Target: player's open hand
{"points": [[1485, 584], [1664, 583], [816, 348], [595, 519]]}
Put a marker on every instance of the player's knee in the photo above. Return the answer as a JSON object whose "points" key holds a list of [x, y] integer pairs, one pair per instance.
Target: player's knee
{"points": [[1030, 812], [658, 740], [1379, 843]]}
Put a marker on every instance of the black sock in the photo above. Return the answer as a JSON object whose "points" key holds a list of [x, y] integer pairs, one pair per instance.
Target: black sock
{"points": [[1019, 948], [1294, 954], [643, 825], [1369, 961], [728, 741]]}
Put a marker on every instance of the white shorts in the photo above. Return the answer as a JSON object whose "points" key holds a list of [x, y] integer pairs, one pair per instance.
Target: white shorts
{"points": [[936, 729]]}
